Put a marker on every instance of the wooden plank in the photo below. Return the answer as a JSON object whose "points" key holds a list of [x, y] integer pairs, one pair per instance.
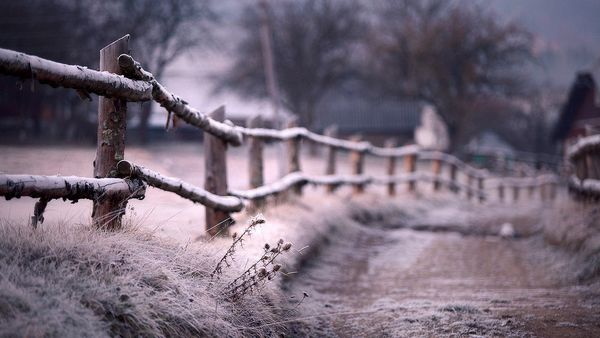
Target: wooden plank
{"points": [[110, 148], [215, 176]]}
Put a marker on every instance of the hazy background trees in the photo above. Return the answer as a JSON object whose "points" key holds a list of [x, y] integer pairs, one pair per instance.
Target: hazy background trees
{"points": [[313, 41], [73, 32]]}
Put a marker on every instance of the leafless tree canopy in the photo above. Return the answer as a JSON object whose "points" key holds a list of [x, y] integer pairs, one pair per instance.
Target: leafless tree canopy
{"points": [[447, 53], [313, 42]]}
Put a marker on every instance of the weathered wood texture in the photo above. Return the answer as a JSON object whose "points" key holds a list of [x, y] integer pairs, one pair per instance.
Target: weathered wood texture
{"points": [[410, 166], [436, 169], [357, 160], [71, 76], [256, 161], [293, 156], [110, 148], [181, 188], [70, 188], [391, 167], [215, 176], [330, 166]]}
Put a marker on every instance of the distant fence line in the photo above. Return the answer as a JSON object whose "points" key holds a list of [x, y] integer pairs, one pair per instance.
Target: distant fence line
{"points": [[122, 79]]}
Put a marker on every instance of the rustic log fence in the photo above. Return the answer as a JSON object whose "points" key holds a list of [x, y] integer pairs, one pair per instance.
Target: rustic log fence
{"points": [[117, 180]]}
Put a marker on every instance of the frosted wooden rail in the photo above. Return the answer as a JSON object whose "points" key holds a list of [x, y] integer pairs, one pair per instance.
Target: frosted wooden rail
{"points": [[179, 187], [75, 77], [298, 178], [584, 157]]}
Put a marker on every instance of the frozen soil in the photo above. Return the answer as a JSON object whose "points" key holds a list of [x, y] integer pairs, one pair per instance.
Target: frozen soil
{"points": [[375, 280]]}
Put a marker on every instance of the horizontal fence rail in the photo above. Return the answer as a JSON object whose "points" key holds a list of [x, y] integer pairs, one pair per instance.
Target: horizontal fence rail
{"points": [[584, 157], [137, 84]]}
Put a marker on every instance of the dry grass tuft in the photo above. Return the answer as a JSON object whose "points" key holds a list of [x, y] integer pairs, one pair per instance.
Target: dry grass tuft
{"points": [[62, 281]]}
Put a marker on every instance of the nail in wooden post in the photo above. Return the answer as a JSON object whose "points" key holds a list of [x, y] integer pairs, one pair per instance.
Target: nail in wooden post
{"points": [[255, 161], [480, 189], [110, 148], [357, 158], [293, 152], [410, 166], [436, 168], [330, 168], [215, 175], [391, 167]]}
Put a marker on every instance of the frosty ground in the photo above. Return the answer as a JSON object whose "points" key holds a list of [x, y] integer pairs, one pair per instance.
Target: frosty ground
{"points": [[412, 265]]}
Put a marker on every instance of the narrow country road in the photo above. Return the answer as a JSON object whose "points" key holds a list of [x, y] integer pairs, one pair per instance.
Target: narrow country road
{"points": [[372, 281]]}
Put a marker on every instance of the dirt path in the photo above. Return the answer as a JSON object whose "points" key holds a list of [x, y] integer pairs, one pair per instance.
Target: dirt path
{"points": [[378, 282]]}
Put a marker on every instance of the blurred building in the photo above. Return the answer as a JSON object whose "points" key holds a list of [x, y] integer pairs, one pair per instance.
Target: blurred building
{"points": [[375, 120], [580, 114]]}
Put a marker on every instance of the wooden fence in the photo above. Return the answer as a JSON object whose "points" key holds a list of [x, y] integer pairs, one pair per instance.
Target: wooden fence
{"points": [[121, 79], [584, 157]]}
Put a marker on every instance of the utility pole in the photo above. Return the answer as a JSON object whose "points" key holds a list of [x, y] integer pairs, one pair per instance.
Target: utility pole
{"points": [[271, 77]]}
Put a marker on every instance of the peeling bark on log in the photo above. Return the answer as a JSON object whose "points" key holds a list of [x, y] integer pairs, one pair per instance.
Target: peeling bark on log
{"points": [[70, 188], [215, 175], [172, 103], [69, 76], [110, 148], [181, 188]]}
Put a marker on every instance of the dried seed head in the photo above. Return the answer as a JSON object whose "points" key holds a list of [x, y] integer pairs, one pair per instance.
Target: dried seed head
{"points": [[267, 246], [305, 294], [262, 272], [280, 241], [275, 250], [276, 267], [234, 236], [286, 246]]}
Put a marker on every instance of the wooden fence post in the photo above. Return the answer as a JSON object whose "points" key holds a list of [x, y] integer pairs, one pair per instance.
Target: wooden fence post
{"points": [[110, 148], [357, 159], [453, 172], [515, 193], [293, 153], [436, 168], [391, 168], [469, 186], [255, 161], [330, 168], [501, 192], [215, 175], [410, 166], [480, 189]]}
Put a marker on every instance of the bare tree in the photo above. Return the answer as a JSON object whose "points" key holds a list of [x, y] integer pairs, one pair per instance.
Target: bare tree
{"points": [[448, 53], [312, 46]]}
